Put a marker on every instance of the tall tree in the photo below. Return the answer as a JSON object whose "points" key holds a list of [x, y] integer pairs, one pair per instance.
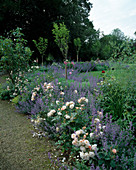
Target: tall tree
{"points": [[36, 18]]}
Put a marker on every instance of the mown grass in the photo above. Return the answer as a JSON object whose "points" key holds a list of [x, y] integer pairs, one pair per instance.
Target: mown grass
{"points": [[123, 75]]}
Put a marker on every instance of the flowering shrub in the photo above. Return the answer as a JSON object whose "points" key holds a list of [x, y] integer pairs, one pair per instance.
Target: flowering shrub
{"points": [[108, 146], [15, 54], [67, 111]]}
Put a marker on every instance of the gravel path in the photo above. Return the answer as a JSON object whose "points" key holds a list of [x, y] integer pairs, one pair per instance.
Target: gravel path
{"points": [[18, 149]]}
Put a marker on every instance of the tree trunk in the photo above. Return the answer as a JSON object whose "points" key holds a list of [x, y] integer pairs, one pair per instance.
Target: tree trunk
{"points": [[42, 60], [66, 71], [77, 56]]}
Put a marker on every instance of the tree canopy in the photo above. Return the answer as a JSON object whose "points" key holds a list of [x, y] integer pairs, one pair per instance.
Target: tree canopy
{"points": [[36, 18]]}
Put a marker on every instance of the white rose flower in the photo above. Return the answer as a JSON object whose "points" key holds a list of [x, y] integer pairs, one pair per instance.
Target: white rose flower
{"points": [[86, 156], [82, 154], [48, 87], [71, 106], [96, 120], [78, 132], [86, 100], [67, 103], [79, 100], [86, 142], [59, 113], [52, 111], [57, 102], [57, 129], [73, 135], [94, 147], [45, 84], [61, 88], [101, 133], [63, 107], [71, 102], [75, 91], [91, 135], [62, 93], [82, 148], [81, 142], [49, 114], [99, 126], [81, 131], [91, 154], [67, 116], [75, 142], [104, 127], [32, 120]]}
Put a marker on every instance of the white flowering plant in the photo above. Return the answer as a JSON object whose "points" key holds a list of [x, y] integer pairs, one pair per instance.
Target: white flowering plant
{"points": [[87, 142]]}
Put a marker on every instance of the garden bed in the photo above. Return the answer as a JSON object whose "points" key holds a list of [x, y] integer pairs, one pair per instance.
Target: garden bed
{"points": [[90, 119]]}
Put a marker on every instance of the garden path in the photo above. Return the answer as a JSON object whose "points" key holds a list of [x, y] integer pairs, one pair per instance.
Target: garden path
{"points": [[18, 149]]}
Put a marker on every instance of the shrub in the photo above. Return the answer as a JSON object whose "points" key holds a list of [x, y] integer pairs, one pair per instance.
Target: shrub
{"points": [[15, 54]]}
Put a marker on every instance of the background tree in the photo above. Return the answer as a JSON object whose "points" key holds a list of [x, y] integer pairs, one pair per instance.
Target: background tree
{"points": [[61, 35], [96, 46], [41, 46], [77, 43], [36, 18]]}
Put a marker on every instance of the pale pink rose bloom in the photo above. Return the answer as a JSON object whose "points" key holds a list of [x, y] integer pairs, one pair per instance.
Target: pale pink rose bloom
{"points": [[78, 132], [49, 114], [74, 142], [86, 142], [71, 106], [67, 103], [52, 111], [114, 151], [67, 116], [73, 136], [71, 102], [70, 73], [63, 108], [79, 100], [62, 93]]}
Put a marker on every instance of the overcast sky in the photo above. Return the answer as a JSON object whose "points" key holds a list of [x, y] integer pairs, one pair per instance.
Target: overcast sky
{"points": [[111, 14]]}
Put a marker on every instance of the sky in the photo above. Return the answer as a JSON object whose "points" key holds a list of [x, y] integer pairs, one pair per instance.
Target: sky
{"points": [[111, 14]]}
